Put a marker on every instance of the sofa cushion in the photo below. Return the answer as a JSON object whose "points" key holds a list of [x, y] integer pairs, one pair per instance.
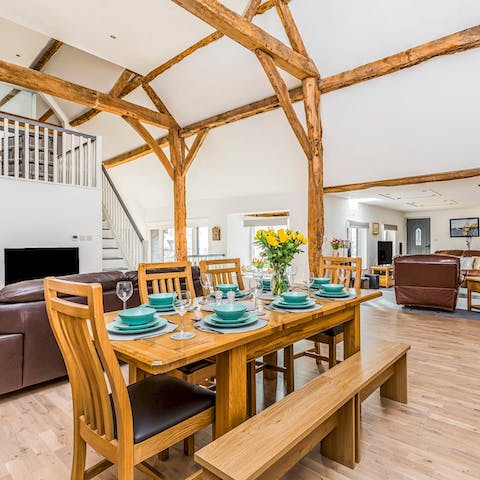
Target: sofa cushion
{"points": [[466, 263], [32, 290]]}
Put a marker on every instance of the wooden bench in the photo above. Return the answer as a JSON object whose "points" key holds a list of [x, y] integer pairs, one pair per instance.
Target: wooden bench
{"points": [[325, 410]]}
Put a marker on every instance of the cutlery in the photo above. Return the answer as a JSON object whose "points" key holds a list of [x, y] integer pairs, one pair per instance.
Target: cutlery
{"points": [[207, 329]]}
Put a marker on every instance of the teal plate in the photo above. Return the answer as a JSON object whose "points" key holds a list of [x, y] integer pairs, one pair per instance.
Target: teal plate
{"points": [[112, 327], [168, 308], [211, 321], [120, 324], [298, 306], [332, 294], [240, 294], [242, 319]]}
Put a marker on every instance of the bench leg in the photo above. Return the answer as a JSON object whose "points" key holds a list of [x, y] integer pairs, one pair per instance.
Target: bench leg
{"points": [[358, 421], [339, 445], [396, 387]]}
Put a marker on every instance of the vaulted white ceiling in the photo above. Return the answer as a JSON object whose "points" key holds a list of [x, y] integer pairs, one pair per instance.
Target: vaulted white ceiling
{"points": [[419, 120]]}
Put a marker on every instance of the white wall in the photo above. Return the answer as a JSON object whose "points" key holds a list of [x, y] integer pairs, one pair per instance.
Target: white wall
{"points": [[440, 228], [339, 210], [39, 215]]}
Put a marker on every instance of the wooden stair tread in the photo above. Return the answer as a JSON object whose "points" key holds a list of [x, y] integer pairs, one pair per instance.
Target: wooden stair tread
{"points": [[257, 444]]}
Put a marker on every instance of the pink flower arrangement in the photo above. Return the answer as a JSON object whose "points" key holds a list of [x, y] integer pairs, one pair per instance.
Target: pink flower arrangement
{"points": [[336, 243]]}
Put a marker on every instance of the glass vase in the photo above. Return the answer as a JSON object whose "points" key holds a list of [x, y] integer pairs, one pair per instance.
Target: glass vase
{"points": [[279, 282]]}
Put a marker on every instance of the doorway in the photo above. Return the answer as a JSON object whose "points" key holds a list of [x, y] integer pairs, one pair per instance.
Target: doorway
{"points": [[418, 235]]}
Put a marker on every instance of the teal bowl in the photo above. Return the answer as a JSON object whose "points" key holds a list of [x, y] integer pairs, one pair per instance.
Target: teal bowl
{"points": [[137, 316], [266, 282], [295, 297], [230, 311], [333, 287], [317, 281], [227, 287], [162, 299]]}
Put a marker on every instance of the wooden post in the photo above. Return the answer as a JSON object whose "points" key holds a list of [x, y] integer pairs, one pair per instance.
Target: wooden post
{"points": [[311, 93], [179, 194]]}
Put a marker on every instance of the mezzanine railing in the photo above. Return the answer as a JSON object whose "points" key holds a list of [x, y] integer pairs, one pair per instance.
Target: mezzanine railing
{"points": [[35, 151]]}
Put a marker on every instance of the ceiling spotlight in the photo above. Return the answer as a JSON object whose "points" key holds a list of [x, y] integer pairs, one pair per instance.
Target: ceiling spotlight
{"points": [[17, 55], [113, 37]]}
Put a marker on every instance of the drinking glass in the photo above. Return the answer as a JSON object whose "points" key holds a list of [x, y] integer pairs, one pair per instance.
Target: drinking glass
{"points": [[341, 275], [307, 281], [184, 300], [291, 272], [207, 285], [255, 287], [124, 292]]}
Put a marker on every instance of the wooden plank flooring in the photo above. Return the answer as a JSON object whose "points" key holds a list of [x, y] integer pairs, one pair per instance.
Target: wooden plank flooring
{"points": [[436, 436]]}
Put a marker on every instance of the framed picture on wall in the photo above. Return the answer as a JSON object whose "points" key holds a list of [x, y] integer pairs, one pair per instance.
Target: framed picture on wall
{"points": [[375, 228], [464, 227]]}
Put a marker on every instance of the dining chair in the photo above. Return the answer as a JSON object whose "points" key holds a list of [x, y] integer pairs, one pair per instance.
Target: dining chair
{"points": [[228, 270], [126, 425], [173, 277], [329, 267], [225, 270]]}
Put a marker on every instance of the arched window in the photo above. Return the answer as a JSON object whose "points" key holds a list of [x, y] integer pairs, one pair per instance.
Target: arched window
{"points": [[418, 237]]}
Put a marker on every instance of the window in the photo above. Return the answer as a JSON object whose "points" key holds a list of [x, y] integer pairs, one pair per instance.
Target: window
{"points": [[277, 225], [358, 237], [162, 243]]}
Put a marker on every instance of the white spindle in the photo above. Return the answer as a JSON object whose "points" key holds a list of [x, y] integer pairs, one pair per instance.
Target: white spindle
{"points": [[55, 159], [81, 163], [64, 157], [5, 147], [36, 152], [26, 151], [46, 154], [16, 149]]}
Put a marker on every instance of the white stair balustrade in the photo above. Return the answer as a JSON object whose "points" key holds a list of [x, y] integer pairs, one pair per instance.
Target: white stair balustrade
{"points": [[123, 244]]}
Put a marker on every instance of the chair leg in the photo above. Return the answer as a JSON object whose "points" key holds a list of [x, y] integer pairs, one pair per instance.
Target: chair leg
{"points": [[289, 368], [79, 455], [189, 446], [318, 351], [332, 352], [164, 455], [126, 468], [251, 388]]}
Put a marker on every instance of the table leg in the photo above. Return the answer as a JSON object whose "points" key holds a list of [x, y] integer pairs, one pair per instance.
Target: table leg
{"points": [[469, 298], [351, 335], [231, 401], [271, 359]]}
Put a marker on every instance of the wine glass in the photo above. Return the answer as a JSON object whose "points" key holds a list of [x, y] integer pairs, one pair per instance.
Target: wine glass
{"points": [[124, 292], [342, 275], [291, 272], [307, 281], [255, 287], [183, 302], [207, 284]]}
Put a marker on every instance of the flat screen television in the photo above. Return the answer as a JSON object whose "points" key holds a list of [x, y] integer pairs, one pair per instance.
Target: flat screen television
{"points": [[31, 263], [384, 252]]}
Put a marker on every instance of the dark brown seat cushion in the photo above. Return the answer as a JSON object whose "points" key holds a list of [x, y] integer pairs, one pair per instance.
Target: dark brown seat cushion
{"points": [[162, 401]]}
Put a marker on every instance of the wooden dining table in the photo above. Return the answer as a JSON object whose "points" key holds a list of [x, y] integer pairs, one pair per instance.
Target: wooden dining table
{"points": [[232, 351]]}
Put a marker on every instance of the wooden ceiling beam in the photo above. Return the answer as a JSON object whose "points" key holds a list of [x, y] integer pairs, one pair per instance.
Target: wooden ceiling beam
{"points": [[44, 57], [115, 91], [456, 42], [394, 182], [192, 153], [152, 143], [283, 96], [250, 36], [157, 101], [46, 115], [41, 82], [290, 27]]}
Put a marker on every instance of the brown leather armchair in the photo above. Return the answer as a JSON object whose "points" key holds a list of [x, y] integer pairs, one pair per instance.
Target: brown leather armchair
{"points": [[430, 281]]}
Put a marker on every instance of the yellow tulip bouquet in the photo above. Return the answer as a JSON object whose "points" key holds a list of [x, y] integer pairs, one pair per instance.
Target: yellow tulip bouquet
{"points": [[279, 248]]}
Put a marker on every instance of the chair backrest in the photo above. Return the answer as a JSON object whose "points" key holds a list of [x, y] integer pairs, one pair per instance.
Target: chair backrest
{"points": [[226, 270], [329, 267], [91, 363], [164, 277]]}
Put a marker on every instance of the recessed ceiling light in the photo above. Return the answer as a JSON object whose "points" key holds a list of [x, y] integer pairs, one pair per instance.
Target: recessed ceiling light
{"points": [[113, 37], [18, 55]]}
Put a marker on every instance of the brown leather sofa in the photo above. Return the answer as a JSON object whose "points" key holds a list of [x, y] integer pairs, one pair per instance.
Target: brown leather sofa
{"points": [[473, 272], [430, 281], [28, 351]]}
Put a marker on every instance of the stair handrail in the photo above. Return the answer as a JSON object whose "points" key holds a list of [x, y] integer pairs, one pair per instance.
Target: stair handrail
{"points": [[133, 249]]}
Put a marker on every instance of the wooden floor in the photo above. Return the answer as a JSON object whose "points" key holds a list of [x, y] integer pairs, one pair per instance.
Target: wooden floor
{"points": [[435, 436]]}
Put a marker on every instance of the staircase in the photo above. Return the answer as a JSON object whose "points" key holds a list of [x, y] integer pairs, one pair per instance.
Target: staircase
{"points": [[123, 243], [112, 257]]}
